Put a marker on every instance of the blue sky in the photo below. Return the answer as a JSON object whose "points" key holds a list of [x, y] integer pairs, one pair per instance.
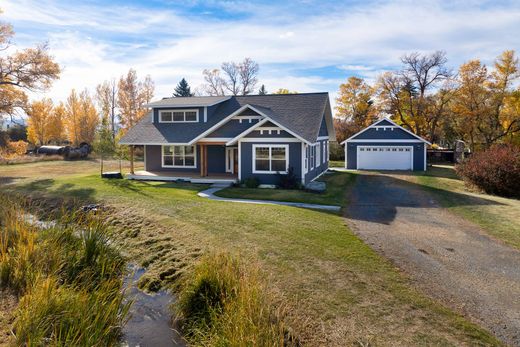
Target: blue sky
{"points": [[302, 45]]}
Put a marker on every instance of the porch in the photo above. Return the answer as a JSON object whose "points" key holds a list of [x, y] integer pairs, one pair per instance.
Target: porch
{"points": [[192, 177]]}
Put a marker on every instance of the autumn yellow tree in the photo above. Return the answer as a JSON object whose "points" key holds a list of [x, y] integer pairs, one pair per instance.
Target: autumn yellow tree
{"points": [[355, 107], [39, 114], [55, 125], [132, 96], [285, 91], [106, 97], [81, 118], [31, 69]]}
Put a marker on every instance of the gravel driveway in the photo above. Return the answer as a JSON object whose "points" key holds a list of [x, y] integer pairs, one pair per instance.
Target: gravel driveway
{"points": [[448, 257]]}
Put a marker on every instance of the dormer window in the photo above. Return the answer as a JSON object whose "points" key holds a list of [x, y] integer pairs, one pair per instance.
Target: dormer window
{"points": [[178, 116]]}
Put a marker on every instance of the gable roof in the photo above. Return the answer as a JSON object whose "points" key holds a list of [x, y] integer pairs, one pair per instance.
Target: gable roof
{"points": [[385, 122], [300, 114]]}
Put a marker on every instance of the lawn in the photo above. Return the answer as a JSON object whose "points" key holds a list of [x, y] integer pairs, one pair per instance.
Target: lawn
{"points": [[333, 288], [500, 217], [335, 194]]}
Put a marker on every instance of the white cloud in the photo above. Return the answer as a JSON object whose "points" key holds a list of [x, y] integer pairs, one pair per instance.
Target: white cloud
{"points": [[96, 43]]}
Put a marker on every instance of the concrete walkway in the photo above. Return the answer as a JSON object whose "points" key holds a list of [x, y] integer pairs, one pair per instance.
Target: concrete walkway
{"points": [[210, 194]]}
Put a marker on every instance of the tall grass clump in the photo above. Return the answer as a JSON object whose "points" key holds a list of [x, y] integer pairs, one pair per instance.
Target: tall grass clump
{"points": [[223, 302], [68, 277]]}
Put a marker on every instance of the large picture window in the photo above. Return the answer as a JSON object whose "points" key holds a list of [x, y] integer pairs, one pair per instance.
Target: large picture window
{"points": [[178, 116], [179, 156], [270, 158]]}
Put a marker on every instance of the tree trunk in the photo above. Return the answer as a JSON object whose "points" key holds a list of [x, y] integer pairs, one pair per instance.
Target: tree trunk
{"points": [[101, 165], [132, 159]]}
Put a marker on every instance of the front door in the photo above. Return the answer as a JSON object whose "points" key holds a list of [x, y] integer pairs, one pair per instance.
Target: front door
{"points": [[232, 160]]}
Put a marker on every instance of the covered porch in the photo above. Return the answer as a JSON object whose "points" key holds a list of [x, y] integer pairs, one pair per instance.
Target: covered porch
{"points": [[204, 162]]}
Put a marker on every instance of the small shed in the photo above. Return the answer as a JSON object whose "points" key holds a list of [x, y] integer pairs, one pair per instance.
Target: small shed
{"points": [[385, 145]]}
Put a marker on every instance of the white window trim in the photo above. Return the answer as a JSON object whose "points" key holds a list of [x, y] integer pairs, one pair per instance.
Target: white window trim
{"points": [[194, 166], [270, 146], [196, 110], [312, 157], [318, 154]]}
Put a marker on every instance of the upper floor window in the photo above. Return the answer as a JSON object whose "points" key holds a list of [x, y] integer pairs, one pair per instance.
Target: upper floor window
{"points": [[178, 116]]}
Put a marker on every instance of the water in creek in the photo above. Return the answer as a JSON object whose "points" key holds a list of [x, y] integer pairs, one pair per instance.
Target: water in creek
{"points": [[150, 317]]}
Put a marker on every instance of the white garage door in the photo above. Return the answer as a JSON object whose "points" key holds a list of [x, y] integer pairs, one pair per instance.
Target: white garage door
{"points": [[384, 157]]}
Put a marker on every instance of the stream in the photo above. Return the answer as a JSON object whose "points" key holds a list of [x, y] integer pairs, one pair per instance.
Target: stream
{"points": [[150, 316], [150, 320]]}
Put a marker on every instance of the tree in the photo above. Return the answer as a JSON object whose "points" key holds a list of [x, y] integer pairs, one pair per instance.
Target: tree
{"points": [[132, 97], [39, 113], [106, 97], [183, 89], [239, 78], [404, 94], [55, 123], [484, 103], [214, 83], [104, 143], [262, 90], [355, 104], [31, 69], [285, 91], [81, 118]]}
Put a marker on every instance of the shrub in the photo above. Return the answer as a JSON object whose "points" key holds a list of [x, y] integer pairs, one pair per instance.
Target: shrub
{"points": [[13, 149], [495, 171], [289, 180], [224, 303], [251, 182], [336, 151]]}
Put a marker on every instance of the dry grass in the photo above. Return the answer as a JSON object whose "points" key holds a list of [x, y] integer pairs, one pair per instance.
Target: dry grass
{"points": [[337, 291]]}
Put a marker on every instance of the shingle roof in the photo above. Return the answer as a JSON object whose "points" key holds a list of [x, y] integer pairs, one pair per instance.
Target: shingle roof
{"points": [[300, 113], [193, 101]]}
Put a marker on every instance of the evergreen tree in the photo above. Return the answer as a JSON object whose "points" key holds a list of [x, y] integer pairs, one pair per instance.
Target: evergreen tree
{"points": [[183, 89], [262, 90]]}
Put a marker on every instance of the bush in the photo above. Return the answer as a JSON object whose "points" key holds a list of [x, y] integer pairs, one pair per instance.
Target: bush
{"points": [[289, 180], [495, 171], [251, 182], [336, 151], [224, 303], [13, 149]]}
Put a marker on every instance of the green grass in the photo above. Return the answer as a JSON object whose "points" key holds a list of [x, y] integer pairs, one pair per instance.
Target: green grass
{"points": [[498, 216], [337, 163], [337, 184], [331, 287]]}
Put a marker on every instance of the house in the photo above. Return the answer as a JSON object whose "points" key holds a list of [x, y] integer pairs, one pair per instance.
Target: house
{"points": [[211, 139], [385, 145]]}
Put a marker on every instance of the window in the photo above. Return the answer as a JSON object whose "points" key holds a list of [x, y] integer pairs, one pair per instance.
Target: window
{"points": [[325, 148], [270, 158], [306, 161], [179, 156], [179, 116], [311, 149], [318, 154]]}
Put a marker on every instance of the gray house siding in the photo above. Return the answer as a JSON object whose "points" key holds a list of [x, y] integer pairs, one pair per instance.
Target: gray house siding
{"points": [[418, 152], [382, 134], [246, 161]]}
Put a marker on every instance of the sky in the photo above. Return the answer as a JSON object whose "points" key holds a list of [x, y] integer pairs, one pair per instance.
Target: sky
{"points": [[306, 45]]}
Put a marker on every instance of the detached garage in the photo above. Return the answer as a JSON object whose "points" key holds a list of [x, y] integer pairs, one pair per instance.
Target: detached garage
{"points": [[385, 145]]}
